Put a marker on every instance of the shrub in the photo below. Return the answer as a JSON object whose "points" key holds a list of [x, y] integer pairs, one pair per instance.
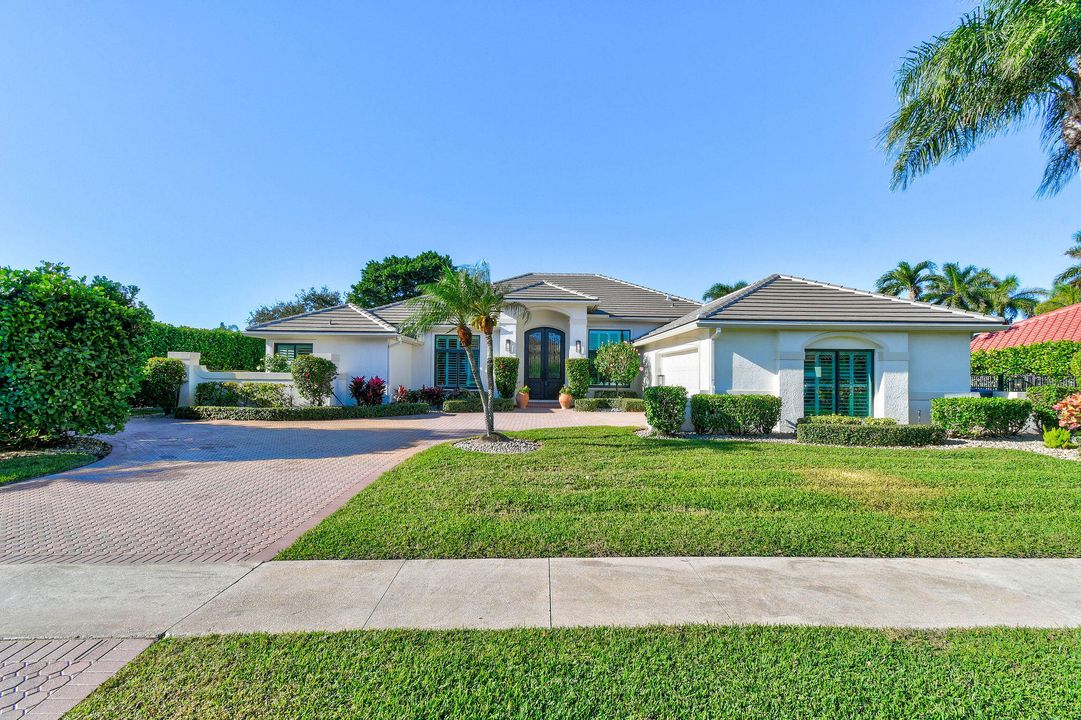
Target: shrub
{"points": [[1043, 399], [506, 375], [869, 435], [616, 393], [472, 404], [249, 394], [313, 378], [631, 404], [71, 354], [665, 408], [368, 392], [976, 417], [1069, 412], [578, 376], [602, 403], [1058, 437], [618, 362], [217, 394], [274, 363], [592, 404], [735, 414], [1048, 358], [1075, 365], [847, 420], [220, 349], [162, 378], [285, 414]]}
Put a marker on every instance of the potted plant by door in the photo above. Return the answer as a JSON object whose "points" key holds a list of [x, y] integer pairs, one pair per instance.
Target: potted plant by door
{"points": [[522, 398], [566, 399]]}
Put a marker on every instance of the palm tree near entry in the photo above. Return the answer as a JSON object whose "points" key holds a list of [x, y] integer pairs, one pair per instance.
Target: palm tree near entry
{"points": [[466, 300], [907, 279]]}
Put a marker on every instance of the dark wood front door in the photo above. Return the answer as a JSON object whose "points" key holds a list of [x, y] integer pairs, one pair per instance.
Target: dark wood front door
{"points": [[545, 353]]}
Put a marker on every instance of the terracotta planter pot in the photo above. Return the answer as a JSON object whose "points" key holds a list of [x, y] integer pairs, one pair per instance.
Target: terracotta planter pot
{"points": [[522, 400], [566, 401]]}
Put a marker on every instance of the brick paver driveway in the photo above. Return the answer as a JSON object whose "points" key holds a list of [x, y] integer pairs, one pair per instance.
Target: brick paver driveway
{"points": [[176, 491]]}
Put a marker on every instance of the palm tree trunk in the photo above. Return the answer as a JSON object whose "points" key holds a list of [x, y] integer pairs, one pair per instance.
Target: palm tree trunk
{"points": [[484, 398], [489, 409]]}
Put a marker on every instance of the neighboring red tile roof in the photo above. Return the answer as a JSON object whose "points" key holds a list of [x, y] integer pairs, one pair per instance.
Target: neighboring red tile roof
{"points": [[1061, 324]]}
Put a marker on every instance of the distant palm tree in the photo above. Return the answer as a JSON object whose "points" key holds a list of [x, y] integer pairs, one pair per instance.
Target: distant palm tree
{"points": [[1007, 299], [964, 288], [1060, 296], [719, 290], [1072, 275], [466, 300], [1004, 63], [907, 279]]}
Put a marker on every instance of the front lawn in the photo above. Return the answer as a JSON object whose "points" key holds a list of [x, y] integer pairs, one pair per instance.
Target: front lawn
{"points": [[678, 672], [605, 491], [31, 466]]}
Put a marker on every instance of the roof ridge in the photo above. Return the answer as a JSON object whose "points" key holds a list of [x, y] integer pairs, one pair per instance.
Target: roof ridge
{"points": [[1049, 313], [735, 296], [300, 315], [373, 317], [640, 287], [564, 289], [906, 301]]}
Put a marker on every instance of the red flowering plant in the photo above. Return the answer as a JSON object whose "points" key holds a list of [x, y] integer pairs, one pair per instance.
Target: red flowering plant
{"points": [[401, 394], [368, 392], [1069, 412]]}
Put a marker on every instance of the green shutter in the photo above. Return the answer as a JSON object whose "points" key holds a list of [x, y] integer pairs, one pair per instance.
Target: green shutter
{"points": [[451, 364], [597, 338], [837, 381]]}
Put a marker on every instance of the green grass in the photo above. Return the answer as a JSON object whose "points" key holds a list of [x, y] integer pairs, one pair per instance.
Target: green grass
{"points": [[24, 468], [682, 672], [605, 491]]}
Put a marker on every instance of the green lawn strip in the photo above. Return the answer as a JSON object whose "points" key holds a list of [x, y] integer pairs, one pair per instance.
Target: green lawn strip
{"points": [[678, 672], [605, 491], [31, 466]]}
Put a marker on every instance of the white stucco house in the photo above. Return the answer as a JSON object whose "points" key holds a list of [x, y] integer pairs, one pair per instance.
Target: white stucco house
{"points": [[822, 348]]}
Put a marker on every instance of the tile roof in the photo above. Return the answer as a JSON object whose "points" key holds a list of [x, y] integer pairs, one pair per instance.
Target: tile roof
{"points": [[338, 319], [1061, 324], [788, 299], [544, 290]]}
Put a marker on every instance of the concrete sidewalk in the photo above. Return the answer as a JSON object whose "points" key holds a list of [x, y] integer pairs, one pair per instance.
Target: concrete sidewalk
{"points": [[147, 601]]}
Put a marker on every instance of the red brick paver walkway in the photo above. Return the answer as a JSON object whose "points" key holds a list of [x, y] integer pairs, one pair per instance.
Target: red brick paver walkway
{"points": [[176, 491], [42, 679]]}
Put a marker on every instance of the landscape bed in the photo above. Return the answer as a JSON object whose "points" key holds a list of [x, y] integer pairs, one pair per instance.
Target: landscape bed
{"points": [[676, 672], [590, 492]]}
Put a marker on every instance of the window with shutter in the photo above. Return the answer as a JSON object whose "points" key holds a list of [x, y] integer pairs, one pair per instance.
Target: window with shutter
{"points": [[451, 364], [597, 338], [291, 350], [837, 382]]}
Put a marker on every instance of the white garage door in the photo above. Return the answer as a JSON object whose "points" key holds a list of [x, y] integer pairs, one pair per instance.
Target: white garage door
{"points": [[681, 369]]}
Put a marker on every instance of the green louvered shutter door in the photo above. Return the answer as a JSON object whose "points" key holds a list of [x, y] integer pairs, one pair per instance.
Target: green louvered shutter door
{"points": [[854, 383]]}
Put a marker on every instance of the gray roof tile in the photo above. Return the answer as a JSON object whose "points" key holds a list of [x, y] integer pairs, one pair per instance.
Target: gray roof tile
{"points": [[337, 319]]}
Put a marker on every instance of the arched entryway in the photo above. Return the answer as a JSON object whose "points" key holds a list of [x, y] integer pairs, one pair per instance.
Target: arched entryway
{"points": [[545, 358]]}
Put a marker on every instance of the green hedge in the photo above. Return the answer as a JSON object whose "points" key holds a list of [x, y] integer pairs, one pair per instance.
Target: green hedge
{"points": [[1042, 398], [505, 369], [629, 404], [976, 417], [1049, 358], [666, 407], [847, 420], [615, 394], [863, 435], [248, 394], [735, 414], [578, 376], [283, 414], [471, 405], [221, 349]]}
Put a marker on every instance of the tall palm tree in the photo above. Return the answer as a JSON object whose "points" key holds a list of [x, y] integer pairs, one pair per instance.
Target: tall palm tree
{"points": [[1006, 62], [964, 288], [719, 290], [1072, 275], [1009, 300], [466, 300], [907, 279], [1059, 297]]}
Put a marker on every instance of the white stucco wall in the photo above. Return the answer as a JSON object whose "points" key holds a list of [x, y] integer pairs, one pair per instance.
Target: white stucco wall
{"points": [[938, 365], [354, 355]]}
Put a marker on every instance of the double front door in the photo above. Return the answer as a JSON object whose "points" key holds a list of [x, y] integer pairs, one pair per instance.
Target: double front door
{"points": [[545, 357]]}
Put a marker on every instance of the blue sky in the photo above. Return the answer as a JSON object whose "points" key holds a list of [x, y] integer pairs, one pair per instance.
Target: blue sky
{"points": [[222, 155]]}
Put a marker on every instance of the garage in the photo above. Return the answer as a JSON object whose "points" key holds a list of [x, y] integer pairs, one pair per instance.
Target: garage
{"points": [[680, 368]]}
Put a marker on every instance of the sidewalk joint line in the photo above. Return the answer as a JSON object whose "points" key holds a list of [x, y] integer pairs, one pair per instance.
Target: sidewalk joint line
{"points": [[549, 592], [710, 591], [209, 600], [380, 600]]}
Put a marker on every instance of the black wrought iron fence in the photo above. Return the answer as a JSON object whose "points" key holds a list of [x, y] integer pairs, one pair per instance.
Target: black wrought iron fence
{"points": [[1017, 383]]}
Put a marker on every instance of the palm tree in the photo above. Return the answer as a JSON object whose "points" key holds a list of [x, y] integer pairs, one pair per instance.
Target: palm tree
{"points": [[907, 279], [964, 288], [1009, 300], [1060, 296], [466, 300], [1005, 63], [1072, 275], [719, 290]]}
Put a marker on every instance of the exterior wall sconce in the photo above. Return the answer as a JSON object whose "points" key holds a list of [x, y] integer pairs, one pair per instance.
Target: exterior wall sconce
{"points": [[506, 345], [578, 346], [660, 379]]}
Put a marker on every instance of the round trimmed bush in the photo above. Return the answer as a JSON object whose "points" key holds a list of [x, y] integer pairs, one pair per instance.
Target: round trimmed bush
{"points": [[578, 376], [666, 407], [976, 417], [506, 375], [618, 362], [313, 378]]}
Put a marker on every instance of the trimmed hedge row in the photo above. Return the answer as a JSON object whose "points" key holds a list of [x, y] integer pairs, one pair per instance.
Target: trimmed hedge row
{"points": [[626, 404], [615, 394], [666, 406], [221, 349], [247, 394], [848, 420], [734, 414], [975, 417], [283, 414], [578, 376], [1048, 358], [865, 435], [472, 405]]}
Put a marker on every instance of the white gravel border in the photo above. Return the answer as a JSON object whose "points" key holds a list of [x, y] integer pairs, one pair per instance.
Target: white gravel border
{"points": [[513, 446]]}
